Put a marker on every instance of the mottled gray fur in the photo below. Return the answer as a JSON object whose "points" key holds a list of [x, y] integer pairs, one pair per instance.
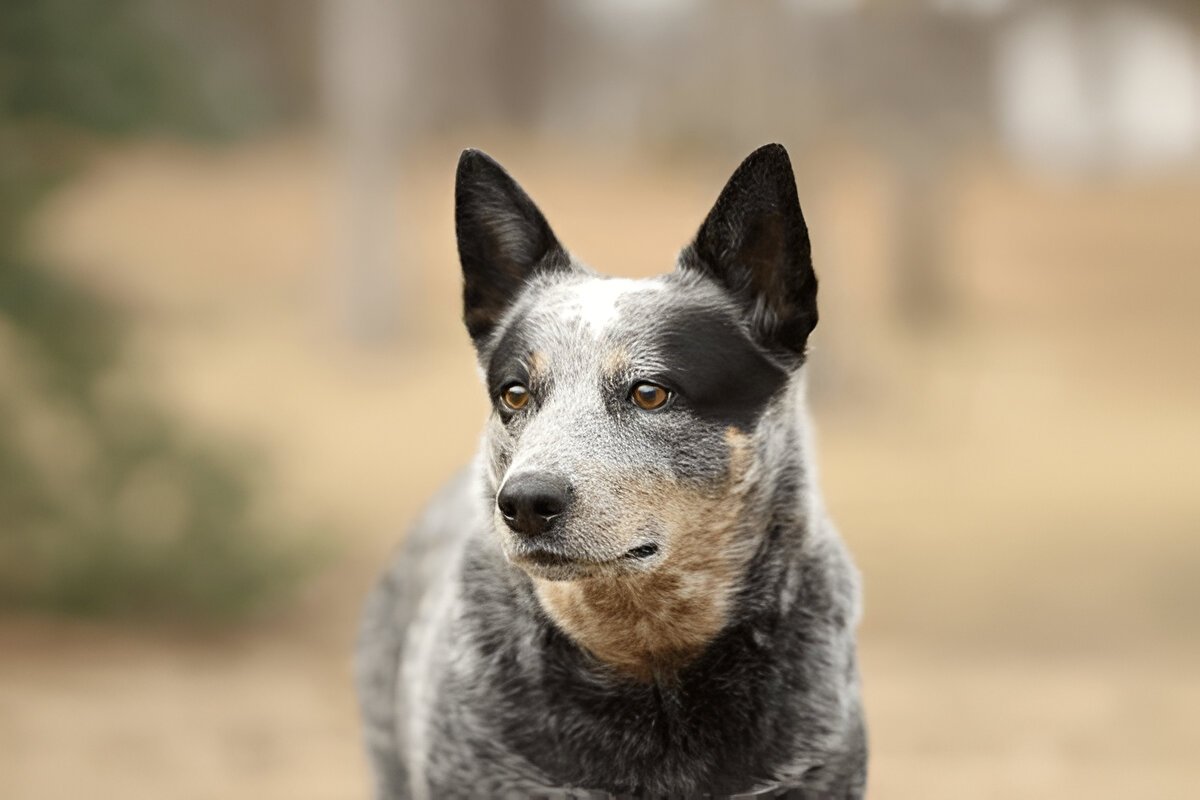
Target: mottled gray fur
{"points": [[493, 664]]}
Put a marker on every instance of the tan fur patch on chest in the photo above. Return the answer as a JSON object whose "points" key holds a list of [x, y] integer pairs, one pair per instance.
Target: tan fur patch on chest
{"points": [[650, 625]]}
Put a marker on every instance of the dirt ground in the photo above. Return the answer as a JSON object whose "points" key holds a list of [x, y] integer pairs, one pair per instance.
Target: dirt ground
{"points": [[1017, 479]]}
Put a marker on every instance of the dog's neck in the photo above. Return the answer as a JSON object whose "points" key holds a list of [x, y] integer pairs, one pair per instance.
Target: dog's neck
{"points": [[644, 627]]}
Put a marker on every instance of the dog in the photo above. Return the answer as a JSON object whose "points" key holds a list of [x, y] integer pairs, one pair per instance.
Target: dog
{"points": [[635, 589]]}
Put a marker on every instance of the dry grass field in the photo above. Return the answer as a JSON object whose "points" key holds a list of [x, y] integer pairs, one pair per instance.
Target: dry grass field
{"points": [[1018, 481]]}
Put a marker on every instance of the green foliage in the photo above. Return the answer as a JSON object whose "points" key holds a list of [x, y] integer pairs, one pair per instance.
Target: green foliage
{"points": [[106, 506], [108, 66], [120, 514]]}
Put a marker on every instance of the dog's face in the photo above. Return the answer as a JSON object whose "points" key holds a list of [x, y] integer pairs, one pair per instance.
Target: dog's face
{"points": [[622, 435]]}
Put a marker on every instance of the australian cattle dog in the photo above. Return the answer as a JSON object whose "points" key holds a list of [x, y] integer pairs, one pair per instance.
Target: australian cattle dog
{"points": [[635, 589]]}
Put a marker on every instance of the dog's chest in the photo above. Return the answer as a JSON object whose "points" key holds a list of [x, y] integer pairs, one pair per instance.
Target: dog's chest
{"points": [[483, 738], [521, 699]]}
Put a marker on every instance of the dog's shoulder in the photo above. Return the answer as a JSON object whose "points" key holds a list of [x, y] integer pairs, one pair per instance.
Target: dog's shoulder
{"points": [[419, 560], [391, 608]]}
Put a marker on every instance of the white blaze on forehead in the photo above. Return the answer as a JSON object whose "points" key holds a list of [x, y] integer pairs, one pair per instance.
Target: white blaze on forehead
{"points": [[594, 301]]}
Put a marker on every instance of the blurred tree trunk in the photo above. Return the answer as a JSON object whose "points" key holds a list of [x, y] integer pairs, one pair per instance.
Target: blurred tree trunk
{"points": [[521, 38], [362, 73], [923, 291]]}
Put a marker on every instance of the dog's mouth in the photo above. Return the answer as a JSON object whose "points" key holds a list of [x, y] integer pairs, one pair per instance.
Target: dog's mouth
{"points": [[556, 565], [642, 551]]}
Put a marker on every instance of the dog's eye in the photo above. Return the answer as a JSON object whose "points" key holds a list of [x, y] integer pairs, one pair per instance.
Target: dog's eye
{"points": [[515, 397], [649, 396]]}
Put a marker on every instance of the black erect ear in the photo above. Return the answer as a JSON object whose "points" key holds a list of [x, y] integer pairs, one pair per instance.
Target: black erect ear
{"points": [[502, 240], [755, 244]]}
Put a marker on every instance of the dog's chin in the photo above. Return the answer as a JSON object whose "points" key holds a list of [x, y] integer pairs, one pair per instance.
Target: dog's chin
{"points": [[560, 564]]}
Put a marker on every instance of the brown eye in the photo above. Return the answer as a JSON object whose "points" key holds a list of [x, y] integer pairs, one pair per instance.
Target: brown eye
{"points": [[515, 397], [649, 396]]}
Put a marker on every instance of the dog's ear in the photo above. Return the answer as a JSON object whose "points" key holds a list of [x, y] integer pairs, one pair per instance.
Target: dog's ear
{"points": [[503, 240], [755, 244]]}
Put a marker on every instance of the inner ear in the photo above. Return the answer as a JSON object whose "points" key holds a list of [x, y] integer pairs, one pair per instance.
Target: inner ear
{"points": [[754, 244], [503, 240]]}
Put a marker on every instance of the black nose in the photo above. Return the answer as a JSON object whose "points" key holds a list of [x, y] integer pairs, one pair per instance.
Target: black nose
{"points": [[531, 501]]}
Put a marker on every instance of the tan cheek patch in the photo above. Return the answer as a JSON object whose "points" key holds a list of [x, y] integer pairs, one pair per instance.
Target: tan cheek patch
{"points": [[648, 626]]}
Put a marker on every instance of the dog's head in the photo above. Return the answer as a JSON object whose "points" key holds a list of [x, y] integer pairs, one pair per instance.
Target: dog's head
{"points": [[622, 438]]}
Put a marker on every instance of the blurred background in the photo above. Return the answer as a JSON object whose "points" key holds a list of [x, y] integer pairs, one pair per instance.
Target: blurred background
{"points": [[232, 368]]}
